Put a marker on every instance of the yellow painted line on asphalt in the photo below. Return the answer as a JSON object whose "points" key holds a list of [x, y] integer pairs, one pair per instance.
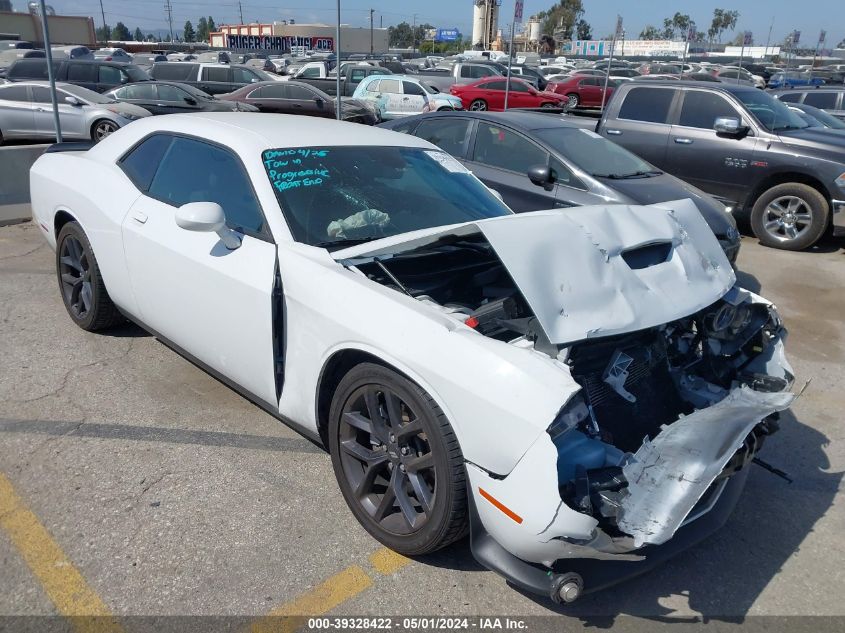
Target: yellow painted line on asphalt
{"points": [[386, 561], [291, 616], [62, 582]]}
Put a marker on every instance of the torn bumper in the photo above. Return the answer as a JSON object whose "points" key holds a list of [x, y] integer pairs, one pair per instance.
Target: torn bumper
{"points": [[681, 486]]}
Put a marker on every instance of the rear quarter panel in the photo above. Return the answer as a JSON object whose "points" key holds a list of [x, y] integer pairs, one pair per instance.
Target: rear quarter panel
{"points": [[95, 194]]}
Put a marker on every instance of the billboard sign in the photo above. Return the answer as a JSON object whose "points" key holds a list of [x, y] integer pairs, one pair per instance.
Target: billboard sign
{"points": [[447, 35], [280, 43], [517, 11]]}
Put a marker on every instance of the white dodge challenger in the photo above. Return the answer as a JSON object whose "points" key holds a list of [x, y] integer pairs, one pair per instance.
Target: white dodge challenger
{"points": [[581, 390]]}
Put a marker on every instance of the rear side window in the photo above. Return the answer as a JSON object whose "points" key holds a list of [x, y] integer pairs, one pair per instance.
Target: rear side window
{"points": [[477, 72], [175, 71], [701, 109], [392, 86], [647, 104], [215, 73], [82, 72], [14, 93], [821, 100], [244, 76], [29, 69], [141, 163], [450, 135]]}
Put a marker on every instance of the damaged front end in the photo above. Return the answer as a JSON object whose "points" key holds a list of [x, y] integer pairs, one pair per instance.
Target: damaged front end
{"points": [[678, 377]]}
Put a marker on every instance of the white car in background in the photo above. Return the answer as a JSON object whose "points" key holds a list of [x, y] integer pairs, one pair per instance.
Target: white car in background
{"points": [[26, 112], [403, 95], [468, 369]]}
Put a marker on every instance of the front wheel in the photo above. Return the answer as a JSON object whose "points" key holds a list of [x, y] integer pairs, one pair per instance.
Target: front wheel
{"points": [[478, 105], [572, 100], [101, 129], [397, 461], [549, 105], [791, 216], [445, 109]]}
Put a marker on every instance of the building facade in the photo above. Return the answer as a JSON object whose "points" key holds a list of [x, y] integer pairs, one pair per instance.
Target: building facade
{"points": [[286, 38]]}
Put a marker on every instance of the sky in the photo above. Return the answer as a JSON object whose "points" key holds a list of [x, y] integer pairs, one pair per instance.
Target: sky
{"points": [[755, 15]]}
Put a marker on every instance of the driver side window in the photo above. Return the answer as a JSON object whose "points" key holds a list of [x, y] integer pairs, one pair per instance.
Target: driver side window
{"points": [[194, 171]]}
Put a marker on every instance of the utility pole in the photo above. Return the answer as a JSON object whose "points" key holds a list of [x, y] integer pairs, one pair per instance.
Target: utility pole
{"points": [[105, 28], [338, 96], [414, 35], [241, 11], [169, 8], [48, 53], [769, 38], [371, 30]]}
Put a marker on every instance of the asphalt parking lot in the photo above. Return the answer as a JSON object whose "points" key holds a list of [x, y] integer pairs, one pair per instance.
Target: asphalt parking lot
{"points": [[132, 483]]}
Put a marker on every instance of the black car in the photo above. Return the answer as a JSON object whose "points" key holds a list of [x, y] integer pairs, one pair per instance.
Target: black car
{"points": [[168, 97], [540, 161], [94, 75]]}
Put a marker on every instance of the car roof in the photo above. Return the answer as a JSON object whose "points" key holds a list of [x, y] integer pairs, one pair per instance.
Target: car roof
{"points": [[523, 120], [250, 133]]}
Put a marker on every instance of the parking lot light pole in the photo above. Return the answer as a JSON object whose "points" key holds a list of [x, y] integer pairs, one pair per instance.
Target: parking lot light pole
{"points": [[48, 53], [337, 62]]}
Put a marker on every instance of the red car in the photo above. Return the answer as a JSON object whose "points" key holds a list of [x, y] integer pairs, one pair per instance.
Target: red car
{"points": [[583, 91], [489, 94]]}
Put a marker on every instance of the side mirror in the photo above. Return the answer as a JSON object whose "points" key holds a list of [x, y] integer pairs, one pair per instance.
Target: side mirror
{"points": [[319, 101], [730, 126], [207, 217], [73, 101], [190, 101], [542, 176], [497, 194]]}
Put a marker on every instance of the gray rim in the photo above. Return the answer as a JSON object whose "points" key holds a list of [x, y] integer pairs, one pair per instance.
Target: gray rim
{"points": [[477, 105], [103, 129], [75, 272], [787, 218], [573, 100], [387, 459]]}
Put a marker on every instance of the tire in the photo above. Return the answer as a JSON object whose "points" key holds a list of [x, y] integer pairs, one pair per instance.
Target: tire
{"points": [[413, 510], [102, 128], [80, 283], [550, 105], [478, 105], [573, 100], [791, 216], [445, 109]]}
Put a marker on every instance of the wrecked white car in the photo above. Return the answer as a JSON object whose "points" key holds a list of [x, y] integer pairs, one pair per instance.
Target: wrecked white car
{"points": [[582, 390]]}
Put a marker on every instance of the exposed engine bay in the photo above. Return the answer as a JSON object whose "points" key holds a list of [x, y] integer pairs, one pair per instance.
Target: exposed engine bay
{"points": [[635, 386]]}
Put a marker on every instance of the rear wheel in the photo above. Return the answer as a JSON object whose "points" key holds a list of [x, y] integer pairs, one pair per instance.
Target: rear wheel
{"points": [[478, 105], [791, 216], [572, 100], [397, 461], [102, 128], [83, 291]]}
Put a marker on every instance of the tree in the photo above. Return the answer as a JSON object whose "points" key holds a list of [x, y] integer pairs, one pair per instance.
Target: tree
{"points": [[722, 21], [103, 33], [212, 27], [188, 34], [650, 33], [562, 17], [584, 30], [121, 33], [678, 25], [139, 36], [202, 30]]}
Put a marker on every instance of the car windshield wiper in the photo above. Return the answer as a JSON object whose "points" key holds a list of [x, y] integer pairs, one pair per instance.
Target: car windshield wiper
{"points": [[348, 241], [636, 174]]}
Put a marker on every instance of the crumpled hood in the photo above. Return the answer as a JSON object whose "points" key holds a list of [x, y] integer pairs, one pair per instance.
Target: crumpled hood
{"points": [[578, 271]]}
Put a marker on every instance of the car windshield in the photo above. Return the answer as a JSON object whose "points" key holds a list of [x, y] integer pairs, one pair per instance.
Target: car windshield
{"points": [[769, 112], [824, 117], [86, 95], [337, 196], [594, 154]]}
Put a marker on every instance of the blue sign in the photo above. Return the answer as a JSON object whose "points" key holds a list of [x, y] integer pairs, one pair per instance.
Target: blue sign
{"points": [[447, 35]]}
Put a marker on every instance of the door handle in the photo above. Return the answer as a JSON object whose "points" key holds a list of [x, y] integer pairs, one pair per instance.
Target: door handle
{"points": [[405, 98], [614, 132], [683, 141], [139, 216]]}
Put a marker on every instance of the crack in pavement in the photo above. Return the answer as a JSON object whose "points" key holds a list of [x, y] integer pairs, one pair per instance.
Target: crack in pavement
{"points": [[25, 253]]}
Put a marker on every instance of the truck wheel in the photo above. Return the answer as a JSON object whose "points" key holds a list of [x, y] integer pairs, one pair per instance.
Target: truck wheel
{"points": [[478, 105], [790, 216]]}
